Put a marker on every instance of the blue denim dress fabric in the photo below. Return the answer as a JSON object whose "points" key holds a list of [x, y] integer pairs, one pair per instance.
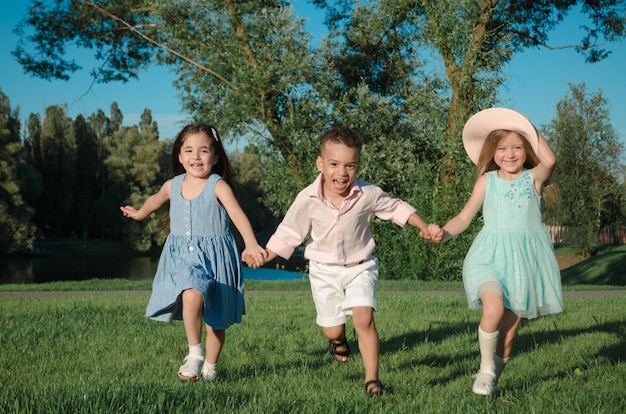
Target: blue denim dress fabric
{"points": [[200, 253]]}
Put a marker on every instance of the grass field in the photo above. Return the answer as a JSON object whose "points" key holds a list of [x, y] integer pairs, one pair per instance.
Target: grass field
{"points": [[82, 352], [96, 353]]}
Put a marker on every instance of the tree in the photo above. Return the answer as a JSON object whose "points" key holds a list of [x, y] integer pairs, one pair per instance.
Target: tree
{"points": [[86, 183], [246, 172], [51, 149], [250, 68], [472, 41], [137, 165], [105, 207], [17, 232], [249, 65], [589, 163]]}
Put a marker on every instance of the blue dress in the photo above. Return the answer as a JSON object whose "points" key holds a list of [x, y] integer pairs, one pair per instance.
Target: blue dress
{"points": [[514, 250], [199, 253]]}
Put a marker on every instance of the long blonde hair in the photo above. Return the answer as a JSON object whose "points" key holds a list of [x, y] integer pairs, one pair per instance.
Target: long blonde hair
{"points": [[486, 162]]}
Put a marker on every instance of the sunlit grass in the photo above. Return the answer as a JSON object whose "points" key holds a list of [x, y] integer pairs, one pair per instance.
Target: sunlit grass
{"points": [[85, 353]]}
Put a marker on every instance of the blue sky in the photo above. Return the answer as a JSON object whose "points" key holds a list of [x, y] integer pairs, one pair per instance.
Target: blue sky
{"points": [[537, 80]]}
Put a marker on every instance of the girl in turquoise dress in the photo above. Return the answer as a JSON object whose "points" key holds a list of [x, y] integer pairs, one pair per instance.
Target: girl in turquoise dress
{"points": [[199, 276], [510, 271]]}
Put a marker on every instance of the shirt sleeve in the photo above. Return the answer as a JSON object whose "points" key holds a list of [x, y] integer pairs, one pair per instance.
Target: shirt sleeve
{"points": [[389, 208], [293, 229]]}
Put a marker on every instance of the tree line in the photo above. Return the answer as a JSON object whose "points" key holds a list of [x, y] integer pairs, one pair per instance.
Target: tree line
{"points": [[405, 74], [66, 178]]}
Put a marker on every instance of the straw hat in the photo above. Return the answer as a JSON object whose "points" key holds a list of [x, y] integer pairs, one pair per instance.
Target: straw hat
{"points": [[482, 123]]}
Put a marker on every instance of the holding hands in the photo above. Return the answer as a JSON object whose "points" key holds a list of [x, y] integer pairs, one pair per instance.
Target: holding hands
{"points": [[432, 232], [255, 257]]}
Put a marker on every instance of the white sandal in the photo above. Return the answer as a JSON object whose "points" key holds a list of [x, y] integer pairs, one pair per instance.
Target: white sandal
{"points": [[209, 372], [190, 370], [485, 384]]}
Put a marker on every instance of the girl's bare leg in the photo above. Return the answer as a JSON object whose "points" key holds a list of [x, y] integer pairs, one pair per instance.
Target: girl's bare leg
{"points": [[493, 311], [485, 382], [192, 320], [508, 331], [215, 339], [192, 315]]}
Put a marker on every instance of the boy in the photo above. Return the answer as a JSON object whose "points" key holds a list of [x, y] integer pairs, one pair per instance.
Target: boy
{"points": [[335, 211]]}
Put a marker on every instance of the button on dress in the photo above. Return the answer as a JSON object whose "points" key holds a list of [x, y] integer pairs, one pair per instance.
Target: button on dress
{"points": [[514, 250], [199, 253]]}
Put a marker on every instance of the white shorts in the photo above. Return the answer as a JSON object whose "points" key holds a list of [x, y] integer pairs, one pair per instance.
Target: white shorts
{"points": [[337, 289]]}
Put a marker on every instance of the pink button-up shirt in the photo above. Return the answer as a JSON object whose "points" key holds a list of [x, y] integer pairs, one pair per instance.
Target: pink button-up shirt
{"points": [[336, 236]]}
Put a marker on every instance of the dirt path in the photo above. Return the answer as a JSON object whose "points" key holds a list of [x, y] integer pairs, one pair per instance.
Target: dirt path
{"points": [[44, 294]]}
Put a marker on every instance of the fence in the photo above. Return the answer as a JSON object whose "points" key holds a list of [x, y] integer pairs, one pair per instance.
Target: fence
{"points": [[608, 235]]}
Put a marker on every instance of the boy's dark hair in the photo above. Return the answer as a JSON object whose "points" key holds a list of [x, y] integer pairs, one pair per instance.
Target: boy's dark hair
{"points": [[341, 135]]}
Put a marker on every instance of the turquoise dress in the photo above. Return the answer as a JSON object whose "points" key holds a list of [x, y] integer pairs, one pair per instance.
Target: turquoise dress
{"points": [[514, 250], [200, 253]]}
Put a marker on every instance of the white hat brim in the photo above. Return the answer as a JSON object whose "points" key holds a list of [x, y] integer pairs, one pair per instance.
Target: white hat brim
{"points": [[484, 122]]}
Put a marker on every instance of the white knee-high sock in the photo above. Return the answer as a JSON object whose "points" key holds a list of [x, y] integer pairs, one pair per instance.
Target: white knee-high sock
{"points": [[500, 365], [487, 342]]}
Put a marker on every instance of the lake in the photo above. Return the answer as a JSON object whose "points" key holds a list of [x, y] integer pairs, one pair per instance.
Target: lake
{"points": [[43, 269]]}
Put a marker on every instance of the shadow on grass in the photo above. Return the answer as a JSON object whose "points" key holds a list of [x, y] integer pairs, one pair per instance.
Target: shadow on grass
{"points": [[528, 342], [525, 345]]}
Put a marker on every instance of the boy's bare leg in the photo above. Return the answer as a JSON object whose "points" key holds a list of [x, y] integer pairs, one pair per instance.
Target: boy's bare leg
{"points": [[363, 318], [337, 334]]}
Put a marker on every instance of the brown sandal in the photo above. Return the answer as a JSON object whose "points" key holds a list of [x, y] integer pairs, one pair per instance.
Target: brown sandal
{"points": [[338, 354], [374, 387]]}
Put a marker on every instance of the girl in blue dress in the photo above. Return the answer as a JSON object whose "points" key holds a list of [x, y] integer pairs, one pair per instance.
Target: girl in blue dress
{"points": [[510, 271], [199, 276]]}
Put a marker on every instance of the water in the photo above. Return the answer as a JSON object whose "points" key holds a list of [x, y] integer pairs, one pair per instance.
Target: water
{"points": [[51, 269]]}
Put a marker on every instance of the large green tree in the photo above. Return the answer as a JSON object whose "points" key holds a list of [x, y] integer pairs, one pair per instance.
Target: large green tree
{"points": [[86, 183], [17, 230], [589, 166], [249, 67], [105, 207], [470, 41], [51, 150], [137, 165]]}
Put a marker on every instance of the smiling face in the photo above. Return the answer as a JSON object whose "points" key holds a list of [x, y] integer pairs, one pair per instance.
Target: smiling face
{"points": [[197, 156], [510, 155], [339, 165]]}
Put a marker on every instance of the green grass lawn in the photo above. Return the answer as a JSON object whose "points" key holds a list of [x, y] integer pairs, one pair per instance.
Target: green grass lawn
{"points": [[88, 353]]}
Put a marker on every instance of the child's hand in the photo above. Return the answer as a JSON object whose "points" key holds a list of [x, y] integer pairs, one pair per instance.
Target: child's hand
{"points": [[433, 232], [254, 256], [129, 211], [437, 237]]}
